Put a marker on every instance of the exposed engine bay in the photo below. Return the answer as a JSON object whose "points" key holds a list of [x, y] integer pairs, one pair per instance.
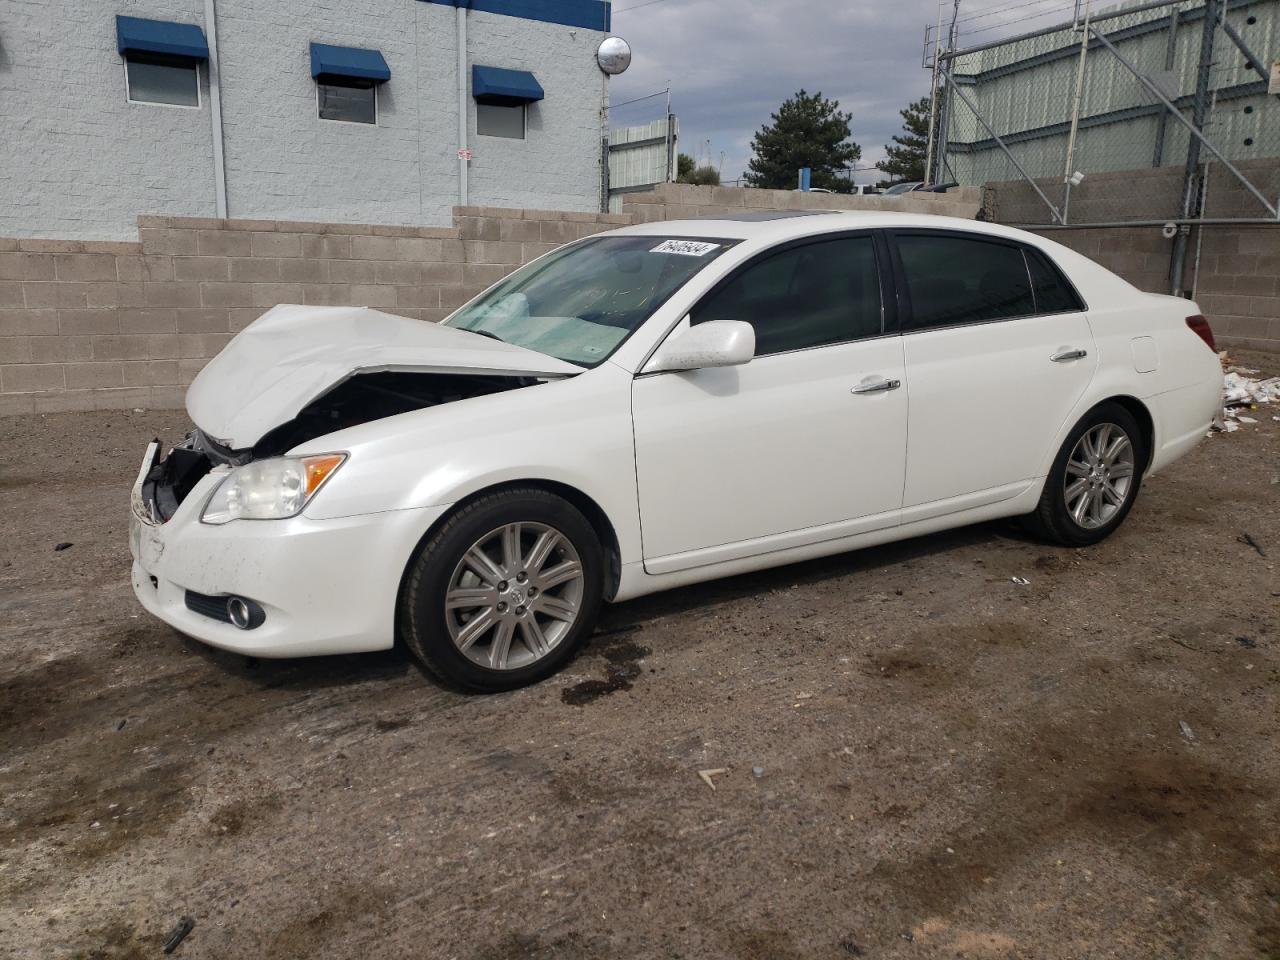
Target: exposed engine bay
{"points": [[359, 399]]}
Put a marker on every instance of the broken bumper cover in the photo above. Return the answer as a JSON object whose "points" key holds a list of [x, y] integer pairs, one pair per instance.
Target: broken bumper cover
{"points": [[325, 586]]}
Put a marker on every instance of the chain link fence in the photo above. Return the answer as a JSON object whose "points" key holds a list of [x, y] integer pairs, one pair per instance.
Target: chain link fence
{"points": [[1153, 112]]}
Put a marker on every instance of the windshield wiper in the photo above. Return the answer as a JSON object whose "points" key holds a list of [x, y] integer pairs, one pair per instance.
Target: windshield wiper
{"points": [[486, 333]]}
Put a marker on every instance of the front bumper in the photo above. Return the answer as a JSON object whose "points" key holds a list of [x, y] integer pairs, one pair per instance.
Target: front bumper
{"points": [[327, 586]]}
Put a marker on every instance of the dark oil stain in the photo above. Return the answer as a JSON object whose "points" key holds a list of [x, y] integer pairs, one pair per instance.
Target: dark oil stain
{"points": [[624, 653], [617, 677], [622, 656], [387, 724]]}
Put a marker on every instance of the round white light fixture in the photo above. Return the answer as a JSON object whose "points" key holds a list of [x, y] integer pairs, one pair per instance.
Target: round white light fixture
{"points": [[613, 55]]}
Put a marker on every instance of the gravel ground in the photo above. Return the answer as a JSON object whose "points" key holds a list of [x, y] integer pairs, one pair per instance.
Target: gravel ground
{"points": [[954, 765]]}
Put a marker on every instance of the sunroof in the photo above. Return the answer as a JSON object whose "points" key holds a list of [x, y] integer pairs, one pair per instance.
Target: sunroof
{"points": [[761, 215]]}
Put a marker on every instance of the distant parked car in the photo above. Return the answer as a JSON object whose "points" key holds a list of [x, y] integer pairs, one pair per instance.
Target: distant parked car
{"points": [[858, 189], [647, 408], [901, 188]]}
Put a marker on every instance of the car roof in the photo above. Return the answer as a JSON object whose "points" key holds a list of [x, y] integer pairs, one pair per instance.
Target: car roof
{"points": [[756, 234], [771, 226]]}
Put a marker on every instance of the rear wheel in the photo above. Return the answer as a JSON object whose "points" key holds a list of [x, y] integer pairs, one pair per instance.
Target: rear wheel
{"points": [[504, 592], [1094, 479]]}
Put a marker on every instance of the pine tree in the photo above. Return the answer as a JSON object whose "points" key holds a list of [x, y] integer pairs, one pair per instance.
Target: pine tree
{"points": [[906, 155], [807, 131]]}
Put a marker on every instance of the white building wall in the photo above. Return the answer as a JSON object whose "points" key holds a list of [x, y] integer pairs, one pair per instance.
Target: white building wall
{"points": [[283, 161], [78, 161], [559, 161]]}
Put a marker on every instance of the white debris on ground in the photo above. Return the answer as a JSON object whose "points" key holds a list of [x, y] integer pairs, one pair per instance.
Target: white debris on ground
{"points": [[1242, 392]]}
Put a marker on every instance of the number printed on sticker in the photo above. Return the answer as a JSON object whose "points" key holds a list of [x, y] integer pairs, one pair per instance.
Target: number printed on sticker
{"points": [[687, 248]]}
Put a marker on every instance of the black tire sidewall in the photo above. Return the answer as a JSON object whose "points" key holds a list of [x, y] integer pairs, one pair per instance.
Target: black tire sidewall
{"points": [[425, 630], [1064, 524]]}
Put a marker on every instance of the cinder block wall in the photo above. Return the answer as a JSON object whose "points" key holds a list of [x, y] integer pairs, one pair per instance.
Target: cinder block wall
{"points": [[1231, 270], [107, 325], [673, 201]]}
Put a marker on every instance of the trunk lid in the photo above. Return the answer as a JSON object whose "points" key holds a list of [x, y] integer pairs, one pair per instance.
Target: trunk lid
{"points": [[292, 355]]}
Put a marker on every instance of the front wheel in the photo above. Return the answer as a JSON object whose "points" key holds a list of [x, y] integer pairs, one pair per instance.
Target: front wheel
{"points": [[504, 592], [1094, 479]]}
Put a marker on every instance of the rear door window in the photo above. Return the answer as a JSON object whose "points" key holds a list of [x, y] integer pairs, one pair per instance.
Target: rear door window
{"points": [[805, 296], [954, 280]]}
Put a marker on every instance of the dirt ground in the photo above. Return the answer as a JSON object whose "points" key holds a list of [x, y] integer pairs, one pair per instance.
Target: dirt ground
{"points": [[954, 765]]}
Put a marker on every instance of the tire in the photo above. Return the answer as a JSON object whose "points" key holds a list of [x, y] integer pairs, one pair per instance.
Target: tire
{"points": [[517, 618], [1059, 515]]}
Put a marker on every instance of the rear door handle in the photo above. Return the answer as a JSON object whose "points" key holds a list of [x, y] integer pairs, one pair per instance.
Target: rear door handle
{"points": [[1062, 356], [876, 386]]}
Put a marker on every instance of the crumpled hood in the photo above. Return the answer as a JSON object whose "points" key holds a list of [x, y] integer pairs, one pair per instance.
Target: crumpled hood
{"points": [[293, 354]]}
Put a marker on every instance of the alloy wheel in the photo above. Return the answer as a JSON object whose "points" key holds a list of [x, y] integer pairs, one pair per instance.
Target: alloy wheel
{"points": [[514, 596], [1099, 475]]}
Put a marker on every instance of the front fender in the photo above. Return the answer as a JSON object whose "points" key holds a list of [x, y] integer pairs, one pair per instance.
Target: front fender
{"points": [[575, 432]]}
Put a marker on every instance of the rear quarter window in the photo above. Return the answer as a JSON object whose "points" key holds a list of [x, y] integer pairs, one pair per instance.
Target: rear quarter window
{"points": [[1053, 294]]}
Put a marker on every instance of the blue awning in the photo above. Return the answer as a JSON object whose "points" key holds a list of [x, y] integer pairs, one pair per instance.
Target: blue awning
{"points": [[350, 65], [508, 88], [136, 37]]}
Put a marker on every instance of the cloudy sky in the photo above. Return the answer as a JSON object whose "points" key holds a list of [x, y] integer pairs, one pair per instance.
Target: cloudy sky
{"points": [[730, 63]]}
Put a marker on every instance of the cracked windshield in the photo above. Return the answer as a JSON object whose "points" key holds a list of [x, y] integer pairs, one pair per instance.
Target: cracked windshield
{"points": [[580, 303]]}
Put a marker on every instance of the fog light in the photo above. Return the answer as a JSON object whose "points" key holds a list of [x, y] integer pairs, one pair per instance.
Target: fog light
{"points": [[244, 614]]}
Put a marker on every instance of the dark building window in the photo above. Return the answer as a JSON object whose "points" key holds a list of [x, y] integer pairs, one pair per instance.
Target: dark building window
{"points": [[348, 104], [175, 84], [493, 120]]}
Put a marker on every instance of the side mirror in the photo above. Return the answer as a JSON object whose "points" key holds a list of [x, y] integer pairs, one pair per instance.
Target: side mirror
{"points": [[718, 343]]}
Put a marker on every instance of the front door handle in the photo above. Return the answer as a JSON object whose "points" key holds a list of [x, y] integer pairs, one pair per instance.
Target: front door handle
{"points": [[1063, 355], [876, 386]]}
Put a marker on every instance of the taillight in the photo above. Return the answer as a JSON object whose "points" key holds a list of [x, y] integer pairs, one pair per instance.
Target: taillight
{"points": [[1200, 327]]}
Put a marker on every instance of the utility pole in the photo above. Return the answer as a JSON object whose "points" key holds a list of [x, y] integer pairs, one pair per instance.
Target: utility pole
{"points": [[944, 121], [933, 100]]}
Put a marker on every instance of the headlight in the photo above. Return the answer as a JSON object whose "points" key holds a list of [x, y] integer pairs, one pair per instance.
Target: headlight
{"points": [[270, 489]]}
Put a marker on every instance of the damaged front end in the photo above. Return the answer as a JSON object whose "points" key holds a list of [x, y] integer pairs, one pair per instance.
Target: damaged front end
{"points": [[301, 372], [360, 399]]}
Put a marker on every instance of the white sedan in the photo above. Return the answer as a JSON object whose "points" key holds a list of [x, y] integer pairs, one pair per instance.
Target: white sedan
{"points": [[651, 407]]}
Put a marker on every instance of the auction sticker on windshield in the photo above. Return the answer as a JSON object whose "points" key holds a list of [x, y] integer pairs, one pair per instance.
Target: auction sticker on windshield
{"points": [[687, 248]]}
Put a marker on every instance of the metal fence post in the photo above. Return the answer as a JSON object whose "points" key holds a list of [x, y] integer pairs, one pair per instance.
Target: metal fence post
{"points": [[1178, 257], [1170, 58], [1075, 115]]}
